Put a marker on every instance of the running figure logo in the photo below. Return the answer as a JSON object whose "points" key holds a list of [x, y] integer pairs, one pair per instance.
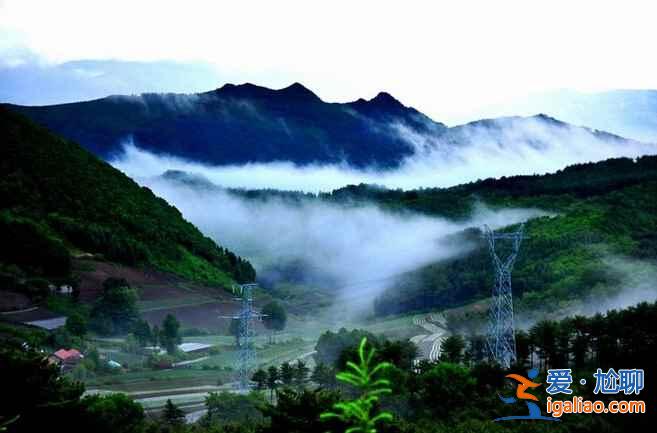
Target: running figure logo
{"points": [[522, 394]]}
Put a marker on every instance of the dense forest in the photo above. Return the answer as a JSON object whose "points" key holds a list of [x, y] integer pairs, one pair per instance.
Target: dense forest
{"points": [[552, 191], [58, 200], [599, 238], [457, 393]]}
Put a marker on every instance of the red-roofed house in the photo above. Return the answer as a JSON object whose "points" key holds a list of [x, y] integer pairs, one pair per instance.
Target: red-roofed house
{"points": [[66, 359]]}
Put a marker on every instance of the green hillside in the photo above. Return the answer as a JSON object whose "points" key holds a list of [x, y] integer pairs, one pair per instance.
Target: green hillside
{"points": [[57, 199], [600, 238]]}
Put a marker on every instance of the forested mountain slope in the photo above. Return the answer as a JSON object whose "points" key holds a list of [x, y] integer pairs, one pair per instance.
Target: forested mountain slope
{"points": [[599, 244], [57, 198]]}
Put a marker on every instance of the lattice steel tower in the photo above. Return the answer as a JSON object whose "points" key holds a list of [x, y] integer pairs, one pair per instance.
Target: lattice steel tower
{"points": [[246, 349], [501, 331]]}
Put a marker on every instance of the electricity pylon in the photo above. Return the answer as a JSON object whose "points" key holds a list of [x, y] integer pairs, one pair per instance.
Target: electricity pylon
{"points": [[501, 331], [246, 349]]}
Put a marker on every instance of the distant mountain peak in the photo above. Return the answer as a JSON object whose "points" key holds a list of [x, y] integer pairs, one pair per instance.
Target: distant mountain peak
{"points": [[543, 116], [230, 87], [295, 91], [382, 103], [498, 122], [385, 99], [298, 90], [246, 90]]}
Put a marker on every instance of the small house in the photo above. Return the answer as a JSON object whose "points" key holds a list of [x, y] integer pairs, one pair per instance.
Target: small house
{"points": [[66, 359]]}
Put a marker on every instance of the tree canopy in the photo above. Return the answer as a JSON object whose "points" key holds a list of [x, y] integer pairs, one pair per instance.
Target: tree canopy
{"points": [[116, 311], [275, 316]]}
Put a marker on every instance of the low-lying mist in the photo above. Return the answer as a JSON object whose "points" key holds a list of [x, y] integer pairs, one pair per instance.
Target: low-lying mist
{"points": [[349, 249], [361, 249], [631, 281], [636, 283], [494, 148]]}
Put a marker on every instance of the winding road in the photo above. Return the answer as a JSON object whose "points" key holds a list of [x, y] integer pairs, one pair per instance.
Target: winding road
{"points": [[429, 343]]}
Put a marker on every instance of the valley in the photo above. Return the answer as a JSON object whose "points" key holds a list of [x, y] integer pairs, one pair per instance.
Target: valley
{"points": [[126, 277]]}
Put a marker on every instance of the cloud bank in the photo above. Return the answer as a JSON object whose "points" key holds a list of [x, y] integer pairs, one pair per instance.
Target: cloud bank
{"points": [[90, 79], [492, 148], [360, 248], [636, 284]]}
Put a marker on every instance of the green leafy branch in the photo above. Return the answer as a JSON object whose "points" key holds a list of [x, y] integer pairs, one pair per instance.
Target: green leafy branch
{"points": [[360, 412]]}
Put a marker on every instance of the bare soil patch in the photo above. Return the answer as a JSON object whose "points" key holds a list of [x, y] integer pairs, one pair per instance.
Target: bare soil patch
{"points": [[204, 316], [152, 284]]}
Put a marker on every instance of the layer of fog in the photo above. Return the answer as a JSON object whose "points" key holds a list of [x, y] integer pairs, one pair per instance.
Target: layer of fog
{"points": [[354, 250], [632, 281], [503, 147], [636, 284], [361, 249]]}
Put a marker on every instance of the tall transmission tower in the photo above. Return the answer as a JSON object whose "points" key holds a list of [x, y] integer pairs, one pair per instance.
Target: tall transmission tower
{"points": [[246, 348], [501, 331]]}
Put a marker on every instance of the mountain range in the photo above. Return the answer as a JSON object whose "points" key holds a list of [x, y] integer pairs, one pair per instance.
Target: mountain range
{"points": [[629, 113], [239, 124], [58, 199]]}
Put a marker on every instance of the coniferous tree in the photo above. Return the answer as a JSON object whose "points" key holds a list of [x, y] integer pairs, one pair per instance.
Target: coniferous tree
{"points": [[476, 349], [170, 334], [260, 378], [301, 372], [272, 380], [452, 349], [143, 333], [274, 318], [324, 376], [287, 374], [76, 324], [155, 333], [544, 336], [523, 343], [172, 414]]}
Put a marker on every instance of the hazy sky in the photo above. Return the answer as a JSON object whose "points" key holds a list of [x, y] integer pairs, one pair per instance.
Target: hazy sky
{"points": [[445, 59]]}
